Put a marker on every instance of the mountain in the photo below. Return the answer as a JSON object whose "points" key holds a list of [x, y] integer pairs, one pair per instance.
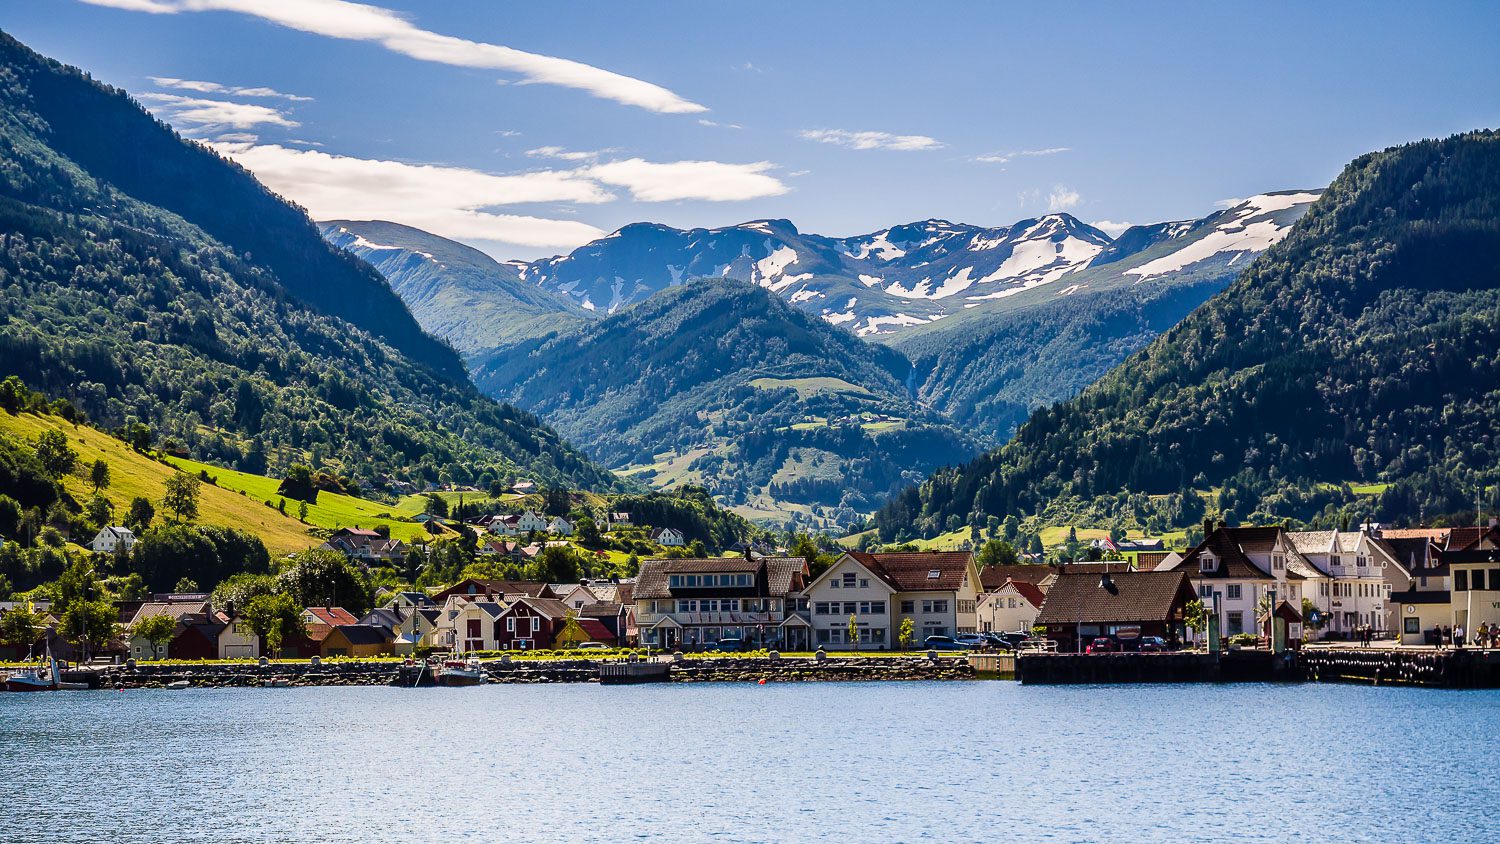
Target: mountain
{"points": [[723, 384], [1361, 348], [872, 284], [992, 363], [152, 283], [455, 291]]}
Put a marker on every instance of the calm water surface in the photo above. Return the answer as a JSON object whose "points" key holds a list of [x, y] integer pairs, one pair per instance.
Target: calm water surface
{"points": [[806, 762]]}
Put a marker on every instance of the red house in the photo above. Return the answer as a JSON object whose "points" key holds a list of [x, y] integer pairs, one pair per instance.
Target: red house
{"points": [[530, 623]]}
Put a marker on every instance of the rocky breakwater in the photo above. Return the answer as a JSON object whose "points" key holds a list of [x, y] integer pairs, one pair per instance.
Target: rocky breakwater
{"points": [[149, 675], [801, 670]]}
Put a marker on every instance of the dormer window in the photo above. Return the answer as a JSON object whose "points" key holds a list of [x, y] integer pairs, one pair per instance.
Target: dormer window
{"points": [[1206, 563], [1278, 562], [934, 574]]}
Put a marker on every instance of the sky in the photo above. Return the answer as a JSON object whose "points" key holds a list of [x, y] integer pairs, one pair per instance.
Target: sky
{"points": [[528, 129]]}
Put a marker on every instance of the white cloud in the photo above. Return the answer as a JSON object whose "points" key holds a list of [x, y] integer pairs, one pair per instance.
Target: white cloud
{"points": [[1063, 198], [1110, 227], [450, 201], [870, 140], [232, 90], [562, 154], [359, 22], [703, 121], [198, 113], [1229, 203], [714, 181], [1006, 157]]}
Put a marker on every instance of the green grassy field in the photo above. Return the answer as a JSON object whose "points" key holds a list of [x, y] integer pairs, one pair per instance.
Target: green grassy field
{"points": [[1368, 489], [332, 509], [133, 474], [806, 387]]}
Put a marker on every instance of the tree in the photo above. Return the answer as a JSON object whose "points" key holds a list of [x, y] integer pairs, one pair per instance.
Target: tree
{"points": [[99, 475], [317, 578], [140, 515], [298, 484], [181, 496], [997, 552], [1195, 616], [85, 615], [853, 632], [99, 510], [907, 634], [277, 618], [185, 586], [558, 564], [302, 511], [156, 630], [20, 627], [435, 506], [54, 453], [235, 592]]}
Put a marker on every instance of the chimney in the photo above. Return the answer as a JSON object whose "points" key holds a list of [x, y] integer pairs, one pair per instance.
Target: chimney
{"points": [[1208, 526]]}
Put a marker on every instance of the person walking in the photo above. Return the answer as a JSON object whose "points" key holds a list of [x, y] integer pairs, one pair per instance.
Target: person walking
{"points": [[1458, 637]]}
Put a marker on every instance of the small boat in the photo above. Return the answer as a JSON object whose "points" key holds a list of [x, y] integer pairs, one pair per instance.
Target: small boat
{"points": [[457, 672], [277, 683], [179, 684], [34, 680]]}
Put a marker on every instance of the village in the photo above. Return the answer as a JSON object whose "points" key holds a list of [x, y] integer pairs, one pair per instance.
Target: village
{"points": [[1239, 588]]}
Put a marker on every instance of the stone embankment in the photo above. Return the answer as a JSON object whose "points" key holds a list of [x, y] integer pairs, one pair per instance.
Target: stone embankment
{"points": [[387, 673]]}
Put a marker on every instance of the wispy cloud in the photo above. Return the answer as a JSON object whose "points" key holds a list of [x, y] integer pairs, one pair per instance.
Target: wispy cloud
{"points": [[231, 90], [703, 121], [1063, 198], [461, 202], [1007, 157], [713, 181], [563, 154], [455, 202], [204, 114], [871, 140], [1110, 227], [359, 22]]}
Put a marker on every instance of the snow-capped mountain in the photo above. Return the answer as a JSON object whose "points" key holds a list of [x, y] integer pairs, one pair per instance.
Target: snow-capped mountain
{"points": [[898, 278]]}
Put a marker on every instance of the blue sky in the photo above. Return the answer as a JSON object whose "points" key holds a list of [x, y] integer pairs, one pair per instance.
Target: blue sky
{"points": [[529, 128]]}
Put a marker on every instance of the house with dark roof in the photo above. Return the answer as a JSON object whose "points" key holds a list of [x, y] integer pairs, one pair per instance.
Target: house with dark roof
{"points": [[1012, 608], [937, 590], [356, 640], [527, 624], [694, 602], [1127, 605], [615, 617], [1234, 568]]}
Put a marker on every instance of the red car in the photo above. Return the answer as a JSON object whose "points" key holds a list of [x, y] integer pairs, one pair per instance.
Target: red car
{"points": [[1103, 645]]}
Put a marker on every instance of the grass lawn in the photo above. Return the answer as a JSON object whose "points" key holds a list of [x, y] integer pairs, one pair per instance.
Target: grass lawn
{"points": [[332, 510], [806, 387], [133, 474], [1368, 489]]}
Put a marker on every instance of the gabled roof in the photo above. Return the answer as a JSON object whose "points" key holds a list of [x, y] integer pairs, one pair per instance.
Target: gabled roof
{"points": [[332, 616], [119, 531], [783, 574], [1137, 596], [600, 609], [1228, 547], [1471, 537], [914, 571], [596, 630], [545, 607], [485, 586], [1030, 591], [993, 577], [183, 612], [361, 532]]}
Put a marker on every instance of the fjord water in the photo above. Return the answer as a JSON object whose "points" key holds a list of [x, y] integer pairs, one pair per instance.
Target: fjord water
{"points": [[806, 762]]}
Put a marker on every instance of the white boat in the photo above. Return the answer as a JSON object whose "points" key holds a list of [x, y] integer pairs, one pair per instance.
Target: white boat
{"points": [[456, 672], [179, 684], [277, 683], [35, 680]]}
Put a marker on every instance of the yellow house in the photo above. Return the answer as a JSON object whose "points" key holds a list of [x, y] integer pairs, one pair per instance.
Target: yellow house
{"points": [[356, 640]]}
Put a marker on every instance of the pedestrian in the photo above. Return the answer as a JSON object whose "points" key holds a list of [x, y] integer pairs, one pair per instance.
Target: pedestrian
{"points": [[1458, 637], [1482, 635]]}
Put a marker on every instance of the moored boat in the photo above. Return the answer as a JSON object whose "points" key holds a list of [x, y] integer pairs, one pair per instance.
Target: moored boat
{"points": [[630, 673], [456, 672]]}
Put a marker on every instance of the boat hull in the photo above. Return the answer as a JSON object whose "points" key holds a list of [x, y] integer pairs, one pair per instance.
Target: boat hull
{"points": [[632, 673]]}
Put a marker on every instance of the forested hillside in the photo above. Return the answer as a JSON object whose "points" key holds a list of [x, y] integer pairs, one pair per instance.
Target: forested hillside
{"points": [[218, 323], [721, 383], [1363, 347]]}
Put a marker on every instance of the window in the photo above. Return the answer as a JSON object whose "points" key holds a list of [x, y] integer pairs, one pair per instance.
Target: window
{"points": [[1359, 562], [1012, 603], [850, 607], [934, 606], [1205, 591], [849, 579], [510, 624], [1460, 581], [1277, 562], [934, 574], [1236, 622], [1477, 582], [1412, 624], [822, 608], [1232, 592], [965, 606], [834, 583], [1206, 563], [864, 583], [908, 607], [877, 607]]}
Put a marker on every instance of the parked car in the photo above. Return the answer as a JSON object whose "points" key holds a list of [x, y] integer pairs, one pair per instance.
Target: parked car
{"points": [[593, 646], [1152, 645], [1103, 645], [943, 643], [995, 640], [972, 640], [730, 644]]}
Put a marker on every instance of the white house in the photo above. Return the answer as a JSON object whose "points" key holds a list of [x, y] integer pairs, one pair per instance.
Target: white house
{"points": [[474, 626], [1356, 579], [238, 641], [575, 595], [530, 521], [560, 527], [505, 525], [668, 537], [112, 538], [938, 591], [695, 602], [617, 520], [1010, 609], [1241, 566]]}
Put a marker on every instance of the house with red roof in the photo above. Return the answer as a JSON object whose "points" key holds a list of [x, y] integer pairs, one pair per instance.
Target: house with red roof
{"points": [[1012, 608], [329, 616], [938, 590]]}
